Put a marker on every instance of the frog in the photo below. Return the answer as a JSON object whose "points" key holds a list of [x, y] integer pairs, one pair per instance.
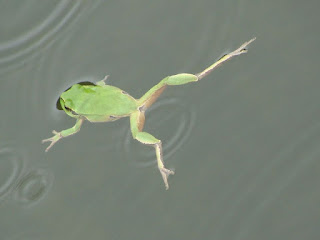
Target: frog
{"points": [[100, 102]]}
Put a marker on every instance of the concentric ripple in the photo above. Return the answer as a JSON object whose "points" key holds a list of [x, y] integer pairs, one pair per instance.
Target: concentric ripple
{"points": [[41, 23], [33, 186], [10, 169], [164, 114]]}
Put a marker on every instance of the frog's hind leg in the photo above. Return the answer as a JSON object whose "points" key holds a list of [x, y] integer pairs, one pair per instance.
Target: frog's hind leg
{"points": [[136, 124], [152, 95], [183, 78]]}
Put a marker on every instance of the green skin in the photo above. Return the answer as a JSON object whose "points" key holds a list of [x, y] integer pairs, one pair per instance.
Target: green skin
{"points": [[100, 102]]}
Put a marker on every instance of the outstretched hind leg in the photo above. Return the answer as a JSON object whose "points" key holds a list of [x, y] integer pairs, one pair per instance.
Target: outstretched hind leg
{"points": [[183, 78]]}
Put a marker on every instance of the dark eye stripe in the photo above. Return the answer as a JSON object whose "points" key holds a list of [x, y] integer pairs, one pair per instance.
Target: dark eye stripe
{"points": [[73, 112]]}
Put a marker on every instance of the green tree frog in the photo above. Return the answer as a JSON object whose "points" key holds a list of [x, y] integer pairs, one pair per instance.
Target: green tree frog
{"points": [[99, 102]]}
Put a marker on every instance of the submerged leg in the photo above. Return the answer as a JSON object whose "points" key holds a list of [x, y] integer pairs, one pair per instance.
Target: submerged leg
{"points": [[179, 79], [64, 133], [136, 124]]}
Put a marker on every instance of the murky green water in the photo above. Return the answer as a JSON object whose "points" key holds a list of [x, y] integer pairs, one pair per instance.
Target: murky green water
{"points": [[244, 142]]}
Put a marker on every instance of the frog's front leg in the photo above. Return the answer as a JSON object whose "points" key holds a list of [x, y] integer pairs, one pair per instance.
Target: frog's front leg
{"points": [[65, 133], [136, 124], [103, 81]]}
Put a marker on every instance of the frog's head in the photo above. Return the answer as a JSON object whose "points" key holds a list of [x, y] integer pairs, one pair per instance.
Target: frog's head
{"points": [[60, 102]]}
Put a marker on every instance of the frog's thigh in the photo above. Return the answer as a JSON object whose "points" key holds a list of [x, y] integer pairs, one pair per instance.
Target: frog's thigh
{"points": [[136, 124]]}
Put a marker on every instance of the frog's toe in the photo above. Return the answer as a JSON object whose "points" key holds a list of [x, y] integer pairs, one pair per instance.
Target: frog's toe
{"points": [[46, 140], [51, 144], [165, 174], [53, 139]]}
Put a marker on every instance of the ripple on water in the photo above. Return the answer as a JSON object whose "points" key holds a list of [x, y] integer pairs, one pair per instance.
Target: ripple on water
{"points": [[166, 113], [10, 168], [32, 187], [32, 27]]}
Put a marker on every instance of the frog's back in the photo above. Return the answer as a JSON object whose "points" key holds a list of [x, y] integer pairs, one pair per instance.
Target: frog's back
{"points": [[97, 100]]}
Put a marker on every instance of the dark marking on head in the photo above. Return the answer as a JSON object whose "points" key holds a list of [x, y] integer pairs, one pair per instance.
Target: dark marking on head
{"points": [[86, 83], [73, 112], [58, 105]]}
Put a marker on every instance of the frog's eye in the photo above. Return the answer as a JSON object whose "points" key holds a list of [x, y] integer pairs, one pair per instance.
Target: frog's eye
{"points": [[58, 104]]}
